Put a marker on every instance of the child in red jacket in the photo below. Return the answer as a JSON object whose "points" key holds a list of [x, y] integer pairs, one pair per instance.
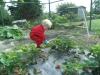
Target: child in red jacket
{"points": [[37, 32]]}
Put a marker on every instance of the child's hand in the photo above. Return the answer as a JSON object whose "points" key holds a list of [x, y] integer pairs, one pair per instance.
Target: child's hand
{"points": [[46, 41]]}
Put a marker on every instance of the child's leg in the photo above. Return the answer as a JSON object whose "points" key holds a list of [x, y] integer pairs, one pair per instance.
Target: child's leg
{"points": [[38, 43], [37, 40]]}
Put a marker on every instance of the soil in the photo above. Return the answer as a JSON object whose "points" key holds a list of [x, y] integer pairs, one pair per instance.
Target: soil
{"points": [[50, 34]]}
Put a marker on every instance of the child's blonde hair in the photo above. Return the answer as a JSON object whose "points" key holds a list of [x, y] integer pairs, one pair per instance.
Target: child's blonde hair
{"points": [[47, 22]]}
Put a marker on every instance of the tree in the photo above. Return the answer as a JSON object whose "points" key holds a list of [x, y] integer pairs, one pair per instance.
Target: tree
{"points": [[25, 10], [62, 8], [5, 18], [96, 7], [1, 3]]}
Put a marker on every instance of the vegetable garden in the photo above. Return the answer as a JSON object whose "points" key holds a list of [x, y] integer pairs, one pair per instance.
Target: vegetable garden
{"points": [[70, 51]]}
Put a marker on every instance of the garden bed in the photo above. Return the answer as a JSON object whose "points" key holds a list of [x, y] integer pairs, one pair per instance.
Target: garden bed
{"points": [[53, 63]]}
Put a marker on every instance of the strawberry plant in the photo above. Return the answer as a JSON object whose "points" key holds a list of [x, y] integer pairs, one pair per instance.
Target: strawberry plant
{"points": [[62, 44], [89, 64], [93, 60], [95, 52], [11, 32], [71, 66], [22, 47], [11, 61], [15, 62], [29, 51]]}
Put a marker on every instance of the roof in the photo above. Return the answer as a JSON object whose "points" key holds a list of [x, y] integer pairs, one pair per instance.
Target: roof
{"points": [[77, 7]]}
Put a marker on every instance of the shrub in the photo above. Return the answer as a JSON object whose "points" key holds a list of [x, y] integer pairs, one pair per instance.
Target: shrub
{"points": [[68, 16], [55, 24], [11, 32], [44, 16], [7, 19], [61, 19], [27, 25], [96, 16], [56, 19], [73, 17]]}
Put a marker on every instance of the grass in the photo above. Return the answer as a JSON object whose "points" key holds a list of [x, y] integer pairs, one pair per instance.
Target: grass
{"points": [[95, 24]]}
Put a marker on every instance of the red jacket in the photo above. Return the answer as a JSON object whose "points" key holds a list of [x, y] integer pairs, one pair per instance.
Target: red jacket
{"points": [[37, 32]]}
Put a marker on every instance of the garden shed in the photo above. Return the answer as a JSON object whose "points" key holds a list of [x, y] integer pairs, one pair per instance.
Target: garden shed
{"points": [[77, 10]]}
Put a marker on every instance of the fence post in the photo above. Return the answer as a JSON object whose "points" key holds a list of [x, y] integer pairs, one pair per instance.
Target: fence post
{"points": [[90, 15], [1, 15], [49, 8]]}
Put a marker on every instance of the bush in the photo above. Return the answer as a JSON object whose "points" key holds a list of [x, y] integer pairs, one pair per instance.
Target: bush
{"points": [[7, 19], [11, 32], [68, 16], [73, 17], [96, 16], [61, 19], [78, 19], [44, 16], [56, 19], [28, 25], [55, 24]]}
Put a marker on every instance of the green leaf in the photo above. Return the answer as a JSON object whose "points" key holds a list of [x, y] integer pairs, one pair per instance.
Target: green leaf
{"points": [[91, 62], [9, 34], [15, 27], [5, 61]]}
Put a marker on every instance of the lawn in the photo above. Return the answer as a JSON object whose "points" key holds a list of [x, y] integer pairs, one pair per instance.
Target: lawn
{"points": [[95, 24]]}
